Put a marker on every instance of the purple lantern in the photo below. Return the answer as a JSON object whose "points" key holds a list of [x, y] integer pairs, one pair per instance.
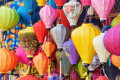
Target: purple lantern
{"points": [[69, 48]]}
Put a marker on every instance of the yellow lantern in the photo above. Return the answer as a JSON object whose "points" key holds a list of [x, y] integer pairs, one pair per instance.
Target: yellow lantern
{"points": [[82, 38], [41, 2]]}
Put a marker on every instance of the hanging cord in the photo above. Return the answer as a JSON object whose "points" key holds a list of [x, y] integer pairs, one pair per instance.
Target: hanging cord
{"points": [[60, 65]]}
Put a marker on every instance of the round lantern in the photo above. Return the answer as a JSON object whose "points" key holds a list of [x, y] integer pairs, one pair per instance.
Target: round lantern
{"points": [[40, 31], [60, 3], [41, 2], [102, 53], [115, 21], [70, 49], [8, 60], [115, 60], [86, 3], [48, 15], [28, 40], [102, 9], [82, 38], [29, 77], [8, 18], [112, 40], [102, 78], [41, 63], [72, 9]]}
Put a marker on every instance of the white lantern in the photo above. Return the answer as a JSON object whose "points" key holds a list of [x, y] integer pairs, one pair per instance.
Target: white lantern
{"points": [[102, 53], [90, 11], [72, 9]]}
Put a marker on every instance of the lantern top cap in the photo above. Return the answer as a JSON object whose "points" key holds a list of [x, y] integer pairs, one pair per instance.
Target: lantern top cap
{"points": [[74, 0], [102, 34], [87, 24], [30, 27], [4, 7], [59, 24], [47, 5]]}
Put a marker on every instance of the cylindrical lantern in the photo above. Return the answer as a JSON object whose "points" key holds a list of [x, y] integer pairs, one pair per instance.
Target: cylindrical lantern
{"points": [[28, 40], [29, 77], [60, 3], [41, 2], [8, 18], [112, 40], [115, 60], [115, 21], [72, 9], [82, 38], [48, 15], [103, 8], [60, 34], [102, 78], [102, 53], [40, 31], [70, 49], [86, 3], [66, 66], [8, 60]]}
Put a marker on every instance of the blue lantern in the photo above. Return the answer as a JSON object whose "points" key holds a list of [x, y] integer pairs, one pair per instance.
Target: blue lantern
{"points": [[52, 3], [105, 28]]}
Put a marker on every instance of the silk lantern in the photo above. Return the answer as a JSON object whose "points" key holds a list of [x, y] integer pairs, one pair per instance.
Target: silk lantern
{"points": [[48, 15], [103, 8], [86, 3], [8, 18], [94, 64], [112, 40], [8, 60], [60, 34], [82, 38], [52, 3], [64, 20], [102, 78], [28, 40], [98, 44], [29, 77], [30, 5], [115, 21], [49, 48], [66, 66], [40, 31], [115, 60], [70, 49], [41, 2], [41, 63], [81, 70], [60, 3], [105, 28], [72, 9]]}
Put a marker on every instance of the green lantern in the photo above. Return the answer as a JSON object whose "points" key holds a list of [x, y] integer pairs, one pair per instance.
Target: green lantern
{"points": [[115, 21], [8, 18], [29, 41]]}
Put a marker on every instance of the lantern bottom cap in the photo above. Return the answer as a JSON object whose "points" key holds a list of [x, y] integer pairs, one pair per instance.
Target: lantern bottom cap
{"points": [[4, 29]]}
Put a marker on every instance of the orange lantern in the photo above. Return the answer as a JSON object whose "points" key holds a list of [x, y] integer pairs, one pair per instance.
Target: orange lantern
{"points": [[29, 77], [115, 60], [41, 63], [8, 60]]}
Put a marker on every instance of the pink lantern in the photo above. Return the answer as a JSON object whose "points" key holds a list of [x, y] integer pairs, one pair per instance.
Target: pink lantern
{"points": [[103, 8], [22, 55], [86, 2], [112, 40], [48, 15]]}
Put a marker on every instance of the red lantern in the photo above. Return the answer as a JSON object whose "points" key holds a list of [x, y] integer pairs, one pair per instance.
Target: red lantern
{"points": [[102, 78], [29, 77], [60, 2], [64, 20], [40, 31]]}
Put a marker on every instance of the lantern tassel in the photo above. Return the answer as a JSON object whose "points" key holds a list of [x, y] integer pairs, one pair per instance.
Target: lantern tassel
{"points": [[49, 66], [60, 65]]}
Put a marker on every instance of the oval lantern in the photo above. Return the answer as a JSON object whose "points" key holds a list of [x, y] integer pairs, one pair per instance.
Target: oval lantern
{"points": [[81, 70], [66, 66], [70, 49], [49, 48], [48, 15], [112, 40], [28, 40], [60, 3], [105, 28], [41, 63], [60, 34], [29, 77], [8, 60], [86, 3], [102, 9], [40, 31], [115, 21], [98, 44], [72, 9], [115, 60], [102, 78], [30, 5], [8, 18], [64, 20], [82, 38], [41, 2]]}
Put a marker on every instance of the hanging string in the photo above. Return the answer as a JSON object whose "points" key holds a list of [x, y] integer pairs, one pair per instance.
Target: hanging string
{"points": [[60, 65]]}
